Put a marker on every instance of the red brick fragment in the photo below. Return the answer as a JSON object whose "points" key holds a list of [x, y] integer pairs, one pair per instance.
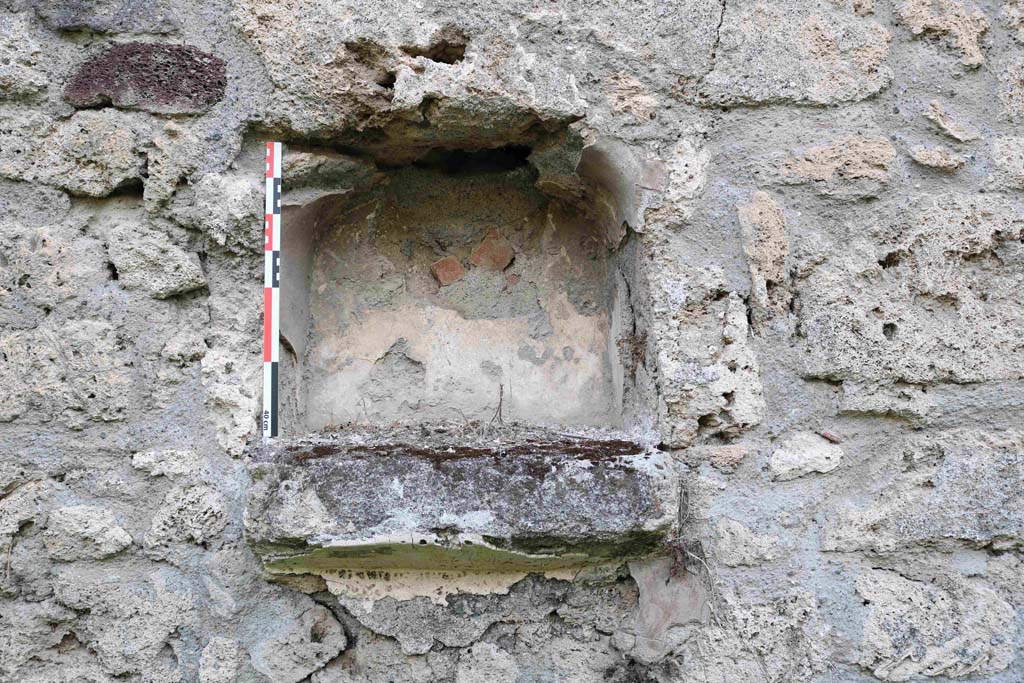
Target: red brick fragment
{"points": [[494, 253], [447, 270]]}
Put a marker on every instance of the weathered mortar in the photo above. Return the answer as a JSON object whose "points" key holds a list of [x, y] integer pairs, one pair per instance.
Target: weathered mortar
{"points": [[818, 211]]}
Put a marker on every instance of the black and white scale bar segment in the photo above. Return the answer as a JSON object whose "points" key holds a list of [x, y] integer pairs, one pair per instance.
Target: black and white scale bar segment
{"points": [[271, 291]]}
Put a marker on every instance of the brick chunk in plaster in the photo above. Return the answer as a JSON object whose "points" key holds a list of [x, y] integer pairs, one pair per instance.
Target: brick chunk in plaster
{"points": [[447, 270], [494, 253], [671, 603]]}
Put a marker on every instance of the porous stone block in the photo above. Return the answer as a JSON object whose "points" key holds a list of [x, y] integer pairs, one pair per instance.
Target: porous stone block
{"points": [[109, 16], [804, 453], [528, 500], [940, 158], [90, 154], [796, 53], [84, 532], [852, 167], [950, 629], [164, 79], [22, 60], [155, 266]]}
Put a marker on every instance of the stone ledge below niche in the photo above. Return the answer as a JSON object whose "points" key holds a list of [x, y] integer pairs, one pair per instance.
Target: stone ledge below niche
{"points": [[447, 497]]}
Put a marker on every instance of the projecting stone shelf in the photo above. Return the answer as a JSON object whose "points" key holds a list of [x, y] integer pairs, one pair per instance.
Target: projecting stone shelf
{"points": [[455, 497]]}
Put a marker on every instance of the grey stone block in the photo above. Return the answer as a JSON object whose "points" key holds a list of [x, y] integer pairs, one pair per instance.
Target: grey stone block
{"points": [[528, 500]]}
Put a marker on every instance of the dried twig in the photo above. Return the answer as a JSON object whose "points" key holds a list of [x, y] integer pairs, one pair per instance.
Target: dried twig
{"points": [[497, 412]]}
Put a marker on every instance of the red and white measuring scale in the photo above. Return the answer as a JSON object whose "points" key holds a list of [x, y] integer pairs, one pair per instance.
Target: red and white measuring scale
{"points": [[271, 290]]}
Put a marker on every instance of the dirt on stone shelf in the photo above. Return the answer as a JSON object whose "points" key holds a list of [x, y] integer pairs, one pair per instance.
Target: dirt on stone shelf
{"points": [[441, 441]]}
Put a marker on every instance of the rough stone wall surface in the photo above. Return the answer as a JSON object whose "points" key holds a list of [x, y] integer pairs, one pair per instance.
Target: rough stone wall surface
{"points": [[826, 207]]}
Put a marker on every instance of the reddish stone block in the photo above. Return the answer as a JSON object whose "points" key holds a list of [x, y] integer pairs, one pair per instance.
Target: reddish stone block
{"points": [[494, 253], [165, 79], [447, 270]]}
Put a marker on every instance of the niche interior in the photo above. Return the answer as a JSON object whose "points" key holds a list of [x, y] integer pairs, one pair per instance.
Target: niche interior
{"points": [[466, 286]]}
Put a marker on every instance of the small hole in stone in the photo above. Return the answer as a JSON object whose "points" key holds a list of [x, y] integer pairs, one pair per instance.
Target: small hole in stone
{"points": [[891, 259], [112, 273], [388, 80], [443, 51], [423, 541], [889, 330], [709, 420]]}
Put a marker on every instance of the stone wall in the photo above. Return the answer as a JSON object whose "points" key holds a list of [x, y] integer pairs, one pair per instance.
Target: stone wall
{"points": [[821, 200]]}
